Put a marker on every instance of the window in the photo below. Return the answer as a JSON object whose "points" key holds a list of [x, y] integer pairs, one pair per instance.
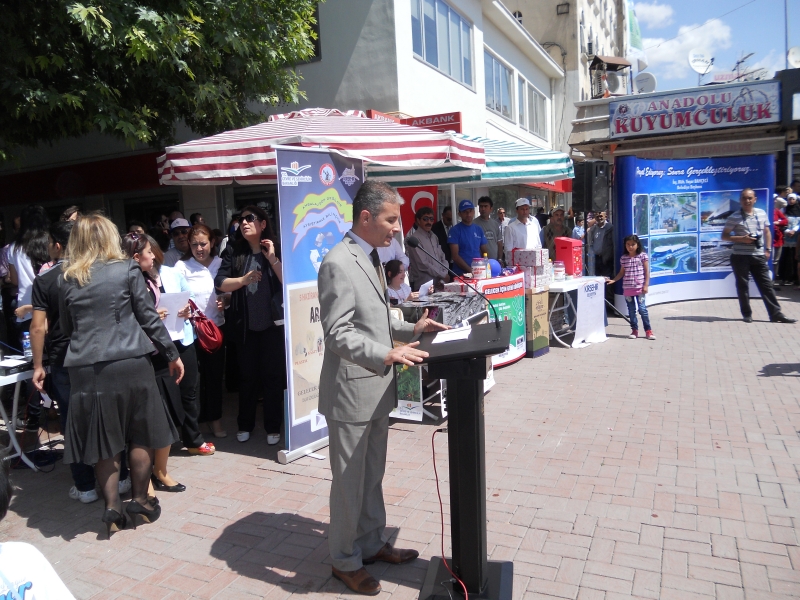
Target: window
{"points": [[532, 109], [498, 85], [442, 38]]}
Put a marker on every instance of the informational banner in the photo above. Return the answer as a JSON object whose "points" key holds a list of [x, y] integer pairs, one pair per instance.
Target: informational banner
{"points": [[697, 109], [678, 208], [315, 194], [507, 295], [590, 325], [415, 198]]}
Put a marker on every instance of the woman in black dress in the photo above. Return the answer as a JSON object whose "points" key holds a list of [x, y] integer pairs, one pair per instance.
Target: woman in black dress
{"points": [[114, 401]]}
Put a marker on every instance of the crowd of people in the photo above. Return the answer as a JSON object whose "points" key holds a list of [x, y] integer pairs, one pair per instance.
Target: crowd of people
{"points": [[126, 387]]}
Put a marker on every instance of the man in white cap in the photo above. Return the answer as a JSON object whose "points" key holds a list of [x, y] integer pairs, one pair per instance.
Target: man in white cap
{"points": [[523, 232], [179, 230]]}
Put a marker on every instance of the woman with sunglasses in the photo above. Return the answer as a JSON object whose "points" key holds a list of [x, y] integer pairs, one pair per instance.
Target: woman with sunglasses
{"points": [[253, 273]]}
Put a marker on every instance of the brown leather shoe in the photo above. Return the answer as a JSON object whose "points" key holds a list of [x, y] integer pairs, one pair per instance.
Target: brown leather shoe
{"points": [[395, 556], [359, 581]]}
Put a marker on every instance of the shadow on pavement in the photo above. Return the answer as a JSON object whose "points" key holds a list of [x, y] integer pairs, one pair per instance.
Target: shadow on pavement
{"points": [[291, 551], [780, 370], [701, 319]]}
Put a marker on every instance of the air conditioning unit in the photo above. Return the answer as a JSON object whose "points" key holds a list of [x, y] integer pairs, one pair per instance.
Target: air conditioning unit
{"points": [[615, 83]]}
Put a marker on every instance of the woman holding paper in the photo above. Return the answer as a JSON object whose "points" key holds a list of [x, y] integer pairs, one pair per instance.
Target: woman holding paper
{"points": [[199, 268], [181, 400]]}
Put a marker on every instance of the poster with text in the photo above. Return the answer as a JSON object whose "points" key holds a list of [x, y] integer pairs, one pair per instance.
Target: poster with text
{"points": [[507, 295], [315, 194], [679, 208]]}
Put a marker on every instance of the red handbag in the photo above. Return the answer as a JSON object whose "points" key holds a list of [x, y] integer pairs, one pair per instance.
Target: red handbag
{"points": [[209, 335]]}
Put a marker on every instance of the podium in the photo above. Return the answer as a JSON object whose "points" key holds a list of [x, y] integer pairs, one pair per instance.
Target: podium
{"points": [[465, 364]]}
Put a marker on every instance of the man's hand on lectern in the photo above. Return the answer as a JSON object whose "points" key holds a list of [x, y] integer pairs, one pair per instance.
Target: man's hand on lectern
{"points": [[405, 355], [426, 325]]}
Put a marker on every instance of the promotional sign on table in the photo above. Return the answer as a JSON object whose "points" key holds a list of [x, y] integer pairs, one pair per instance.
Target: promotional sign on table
{"points": [[507, 295], [315, 191], [590, 325], [415, 198], [678, 208]]}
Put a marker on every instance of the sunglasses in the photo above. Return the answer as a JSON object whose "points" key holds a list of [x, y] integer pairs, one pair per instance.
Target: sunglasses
{"points": [[180, 231], [251, 218], [428, 220]]}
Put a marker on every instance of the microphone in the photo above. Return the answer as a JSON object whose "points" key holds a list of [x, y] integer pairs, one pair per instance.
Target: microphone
{"points": [[414, 243]]}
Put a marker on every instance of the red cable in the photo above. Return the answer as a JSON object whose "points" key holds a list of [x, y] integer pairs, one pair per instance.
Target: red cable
{"points": [[441, 514]]}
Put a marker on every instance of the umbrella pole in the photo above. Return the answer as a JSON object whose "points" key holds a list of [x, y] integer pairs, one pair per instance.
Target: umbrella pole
{"points": [[453, 202]]}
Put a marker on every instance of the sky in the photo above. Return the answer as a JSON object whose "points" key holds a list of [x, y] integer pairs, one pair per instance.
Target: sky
{"points": [[672, 28]]}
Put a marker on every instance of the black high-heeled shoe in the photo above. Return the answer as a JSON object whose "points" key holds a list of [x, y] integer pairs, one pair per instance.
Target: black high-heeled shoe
{"points": [[163, 487], [133, 508], [114, 521]]}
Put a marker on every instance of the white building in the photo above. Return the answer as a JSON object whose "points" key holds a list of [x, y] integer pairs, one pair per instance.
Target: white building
{"points": [[404, 57]]}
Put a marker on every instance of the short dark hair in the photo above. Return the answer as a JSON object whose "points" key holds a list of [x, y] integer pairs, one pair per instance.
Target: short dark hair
{"points": [[487, 200], [425, 210], [160, 236], [447, 208], [392, 269], [59, 232], [795, 182], [194, 217], [779, 189], [68, 212], [371, 197], [135, 223]]}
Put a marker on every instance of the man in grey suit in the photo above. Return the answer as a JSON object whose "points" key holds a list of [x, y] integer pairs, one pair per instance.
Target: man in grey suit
{"points": [[357, 385]]}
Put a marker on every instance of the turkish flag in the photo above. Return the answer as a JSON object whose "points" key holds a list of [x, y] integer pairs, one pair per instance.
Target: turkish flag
{"points": [[415, 198]]}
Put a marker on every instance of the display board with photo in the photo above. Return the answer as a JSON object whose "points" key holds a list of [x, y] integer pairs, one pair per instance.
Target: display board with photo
{"points": [[715, 254], [716, 206], [673, 213], [673, 255]]}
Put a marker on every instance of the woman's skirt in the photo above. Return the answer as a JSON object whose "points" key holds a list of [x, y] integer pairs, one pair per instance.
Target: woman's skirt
{"points": [[113, 404]]}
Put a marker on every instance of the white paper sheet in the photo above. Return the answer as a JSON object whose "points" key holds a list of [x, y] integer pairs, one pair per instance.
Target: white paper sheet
{"points": [[452, 335], [174, 303], [424, 288]]}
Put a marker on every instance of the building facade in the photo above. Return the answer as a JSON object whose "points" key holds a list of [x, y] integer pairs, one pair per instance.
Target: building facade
{"points": [[407, 58]]}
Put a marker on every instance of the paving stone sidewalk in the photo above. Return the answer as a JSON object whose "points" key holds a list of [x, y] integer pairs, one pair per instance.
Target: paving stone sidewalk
{"points": [[665, 469]]}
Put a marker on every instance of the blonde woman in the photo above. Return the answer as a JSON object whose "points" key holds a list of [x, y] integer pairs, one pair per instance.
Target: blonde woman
{"points": [[110, 320]]}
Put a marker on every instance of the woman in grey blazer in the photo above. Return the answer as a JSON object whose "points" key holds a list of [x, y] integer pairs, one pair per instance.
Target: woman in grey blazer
{"points": [[114, 400]]}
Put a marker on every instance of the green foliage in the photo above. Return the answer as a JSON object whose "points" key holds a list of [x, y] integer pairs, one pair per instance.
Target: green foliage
{"points": [[135, 69], [408, 383], [536, 326]]}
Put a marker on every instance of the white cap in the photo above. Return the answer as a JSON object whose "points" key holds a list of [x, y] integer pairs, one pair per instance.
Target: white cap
{"points": [[523, 202]]}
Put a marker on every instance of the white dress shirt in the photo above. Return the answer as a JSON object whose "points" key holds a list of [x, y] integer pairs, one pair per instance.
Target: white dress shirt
{"points": [[522, 235]]}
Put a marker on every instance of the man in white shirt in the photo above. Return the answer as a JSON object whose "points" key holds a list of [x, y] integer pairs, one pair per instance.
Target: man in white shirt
{"points": [[393, 252], [179, 230], [523, 232]]}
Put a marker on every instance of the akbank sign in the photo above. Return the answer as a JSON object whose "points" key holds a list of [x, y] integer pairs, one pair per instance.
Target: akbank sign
{"points": [[710, 107]]}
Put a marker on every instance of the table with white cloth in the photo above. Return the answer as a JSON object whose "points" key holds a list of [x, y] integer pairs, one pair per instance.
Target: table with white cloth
{"points": [[15, 378], [586, 318]]}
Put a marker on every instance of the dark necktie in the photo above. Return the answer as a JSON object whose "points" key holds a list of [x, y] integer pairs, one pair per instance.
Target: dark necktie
{"points": [[376, 262]]}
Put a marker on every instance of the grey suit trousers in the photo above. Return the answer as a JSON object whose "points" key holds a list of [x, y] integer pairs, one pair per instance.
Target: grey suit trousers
{"points": [[358, 515]]}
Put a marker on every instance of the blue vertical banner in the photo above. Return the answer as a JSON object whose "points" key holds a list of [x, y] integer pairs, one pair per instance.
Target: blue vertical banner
{"points": [[678, 208], [315, 196]]}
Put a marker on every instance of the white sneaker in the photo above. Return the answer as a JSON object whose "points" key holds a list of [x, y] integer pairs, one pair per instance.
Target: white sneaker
{"points": [[85, 497], [242, 436], [124, 486], [273, 438]]}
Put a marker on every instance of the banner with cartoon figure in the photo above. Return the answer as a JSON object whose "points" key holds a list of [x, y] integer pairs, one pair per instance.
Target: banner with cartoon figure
{"points": [[315, 193]]}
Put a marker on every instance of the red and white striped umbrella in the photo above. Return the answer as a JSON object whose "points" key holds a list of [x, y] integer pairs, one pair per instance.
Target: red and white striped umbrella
{"points": [[405, 155]]}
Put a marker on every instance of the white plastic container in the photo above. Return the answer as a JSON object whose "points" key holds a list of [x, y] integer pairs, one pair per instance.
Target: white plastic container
{"points": [[479, 268], [559, 272]]}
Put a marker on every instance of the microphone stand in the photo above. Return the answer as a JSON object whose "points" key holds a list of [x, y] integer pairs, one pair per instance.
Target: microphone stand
{"points": [[414, 243]]}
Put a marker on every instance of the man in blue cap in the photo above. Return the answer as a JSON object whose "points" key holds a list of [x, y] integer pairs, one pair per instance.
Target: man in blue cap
{"points": [[467, 240]]}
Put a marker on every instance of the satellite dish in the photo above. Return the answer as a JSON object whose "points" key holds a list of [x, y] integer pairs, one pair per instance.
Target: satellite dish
{"points": [[794, 57], [644, 83], [699, 62], [613, 82]]}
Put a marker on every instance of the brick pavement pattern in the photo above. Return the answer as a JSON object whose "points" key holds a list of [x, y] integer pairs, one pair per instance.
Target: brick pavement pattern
{"points": [[664, 469]]}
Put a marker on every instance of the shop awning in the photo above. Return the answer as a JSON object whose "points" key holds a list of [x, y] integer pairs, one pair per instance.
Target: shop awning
{"points": [[514, 163], [397, 154]]}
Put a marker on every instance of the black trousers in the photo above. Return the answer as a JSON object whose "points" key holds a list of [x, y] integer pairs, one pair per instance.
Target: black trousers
{"points": [[262, 373], [190, 429], [605, 269], [743, 267], [212, 369]]}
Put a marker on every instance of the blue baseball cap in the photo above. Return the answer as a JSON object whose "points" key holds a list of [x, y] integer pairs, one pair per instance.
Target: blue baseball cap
{"points": [[465, 205]]}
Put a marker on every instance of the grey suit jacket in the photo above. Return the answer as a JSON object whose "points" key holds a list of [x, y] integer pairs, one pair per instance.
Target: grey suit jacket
{"points": [[355, 386], [112, 317]]}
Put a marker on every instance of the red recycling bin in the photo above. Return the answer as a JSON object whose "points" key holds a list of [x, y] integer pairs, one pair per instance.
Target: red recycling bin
{"points": [[570, 252]]}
